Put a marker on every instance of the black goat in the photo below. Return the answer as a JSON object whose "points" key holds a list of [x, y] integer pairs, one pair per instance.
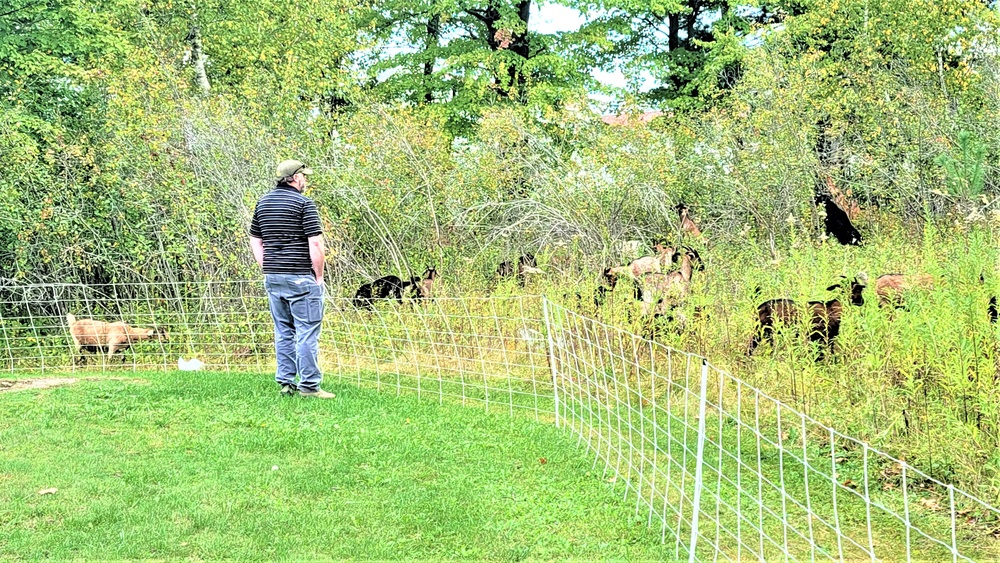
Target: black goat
{"points": [[604, 288], [387, 287], [824, 316], [837, 223], [695, 258], [526, 264], [991, 308]]}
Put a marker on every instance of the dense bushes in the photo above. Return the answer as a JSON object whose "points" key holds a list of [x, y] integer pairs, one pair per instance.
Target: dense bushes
{"points": [[150, 181]]}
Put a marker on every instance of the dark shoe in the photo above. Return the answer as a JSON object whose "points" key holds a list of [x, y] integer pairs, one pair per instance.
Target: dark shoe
{"points": [[288, 390], [319, 394]]}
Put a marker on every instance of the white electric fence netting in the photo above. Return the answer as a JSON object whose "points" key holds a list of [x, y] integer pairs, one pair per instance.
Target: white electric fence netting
{"points": [[721, 469]]}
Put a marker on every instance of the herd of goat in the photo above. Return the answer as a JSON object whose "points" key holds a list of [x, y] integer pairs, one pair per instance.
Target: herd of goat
{"points": [[657, 286]]}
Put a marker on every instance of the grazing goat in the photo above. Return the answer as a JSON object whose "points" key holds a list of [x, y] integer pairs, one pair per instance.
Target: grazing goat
{"points": [[525, 265], [604, 287], [687, 225], [824, 316], [991, 308], [842, 199], [387, 287], [891, 287], [665, 255], [423, 288], [101, 337], [662, 291], [836, 221], [695, 258]]}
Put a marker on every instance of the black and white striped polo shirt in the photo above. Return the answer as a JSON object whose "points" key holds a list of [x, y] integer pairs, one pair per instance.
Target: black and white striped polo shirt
{"points": [[285, 219]]}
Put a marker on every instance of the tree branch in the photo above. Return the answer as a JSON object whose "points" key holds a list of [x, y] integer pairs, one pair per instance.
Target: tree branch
{"points": [[14, 11]]}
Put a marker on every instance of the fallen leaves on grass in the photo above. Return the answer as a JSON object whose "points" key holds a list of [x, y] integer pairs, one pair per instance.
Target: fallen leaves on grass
{"points": [[893, 472], [930, 503]]}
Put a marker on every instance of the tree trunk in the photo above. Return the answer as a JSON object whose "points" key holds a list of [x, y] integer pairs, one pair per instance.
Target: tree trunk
{"points": [[691, 20], [674, 25], [433, 34], [519, 46], [198, 59], [501, 39]]}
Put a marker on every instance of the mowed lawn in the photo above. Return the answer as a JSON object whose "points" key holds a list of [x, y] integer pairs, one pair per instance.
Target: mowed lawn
{"points": [[213, 466]]}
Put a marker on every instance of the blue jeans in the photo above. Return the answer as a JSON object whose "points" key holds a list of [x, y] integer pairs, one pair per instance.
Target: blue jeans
{"points": [[297, 308]]}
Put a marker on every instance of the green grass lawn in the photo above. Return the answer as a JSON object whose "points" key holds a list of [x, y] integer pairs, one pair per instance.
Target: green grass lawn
{"points": [[205, 465]]}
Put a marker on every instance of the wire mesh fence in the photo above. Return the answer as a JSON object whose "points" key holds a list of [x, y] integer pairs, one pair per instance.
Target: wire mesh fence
{"points": [[768, 481], [719, 468], [486, 349]]}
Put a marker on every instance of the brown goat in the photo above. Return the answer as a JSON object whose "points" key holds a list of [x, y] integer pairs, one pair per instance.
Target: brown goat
{"points": [[101, 337], [687, 225], [824, 316], [891, 287], [842, 199]]}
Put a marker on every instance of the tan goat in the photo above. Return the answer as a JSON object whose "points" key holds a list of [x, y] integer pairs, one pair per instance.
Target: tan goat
{"points": [[423, 288], [660, 292], [891, 287], [100, 337], [647, 264]]}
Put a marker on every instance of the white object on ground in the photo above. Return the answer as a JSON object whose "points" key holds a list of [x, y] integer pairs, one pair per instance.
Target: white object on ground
{"points": [[194, 364]]}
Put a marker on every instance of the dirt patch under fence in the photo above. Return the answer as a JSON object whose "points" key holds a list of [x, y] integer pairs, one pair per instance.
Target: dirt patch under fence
{"points": [[49, 382], [44, 383]]}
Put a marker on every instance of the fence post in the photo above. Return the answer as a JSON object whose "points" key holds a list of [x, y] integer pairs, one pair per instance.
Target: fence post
{"points": [[551, 355], [699, 460]]}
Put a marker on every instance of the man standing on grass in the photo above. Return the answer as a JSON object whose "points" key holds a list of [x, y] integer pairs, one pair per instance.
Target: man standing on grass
{"points": [[287, 241]]}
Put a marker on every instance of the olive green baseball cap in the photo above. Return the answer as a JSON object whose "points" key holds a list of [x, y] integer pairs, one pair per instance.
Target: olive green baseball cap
{"points": [[290, 168]]}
